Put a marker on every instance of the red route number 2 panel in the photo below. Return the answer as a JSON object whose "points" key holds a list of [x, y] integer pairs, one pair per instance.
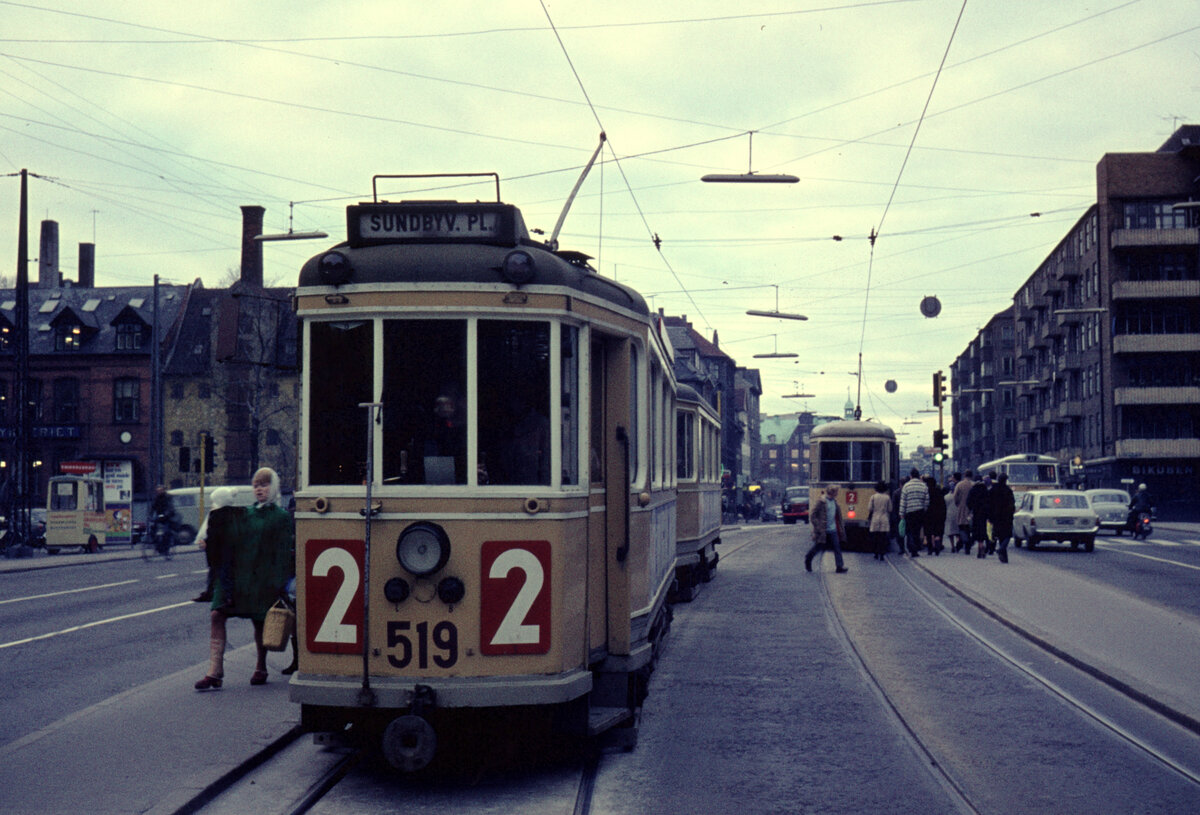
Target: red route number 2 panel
{"points": [[514, 614], [333, 596]]}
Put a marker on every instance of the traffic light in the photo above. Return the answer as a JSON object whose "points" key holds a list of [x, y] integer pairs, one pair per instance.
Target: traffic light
{"points": [[939, 389], [939, 439], [206, 452], [939, 457], [185, 459]]}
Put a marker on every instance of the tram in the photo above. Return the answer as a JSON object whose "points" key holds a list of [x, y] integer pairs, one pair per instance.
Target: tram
{"points": [[855, 456], [698, 473], [486, 508], [1025, 471]]}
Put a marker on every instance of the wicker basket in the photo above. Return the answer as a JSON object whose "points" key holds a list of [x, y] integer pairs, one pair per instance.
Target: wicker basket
{"points": [[278, 626]]}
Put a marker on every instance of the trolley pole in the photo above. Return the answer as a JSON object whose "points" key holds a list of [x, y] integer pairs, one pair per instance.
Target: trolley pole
{"points": [[366, 696]]}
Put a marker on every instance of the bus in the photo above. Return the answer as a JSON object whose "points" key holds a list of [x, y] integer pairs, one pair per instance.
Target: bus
{"points": [[1025, 471]]}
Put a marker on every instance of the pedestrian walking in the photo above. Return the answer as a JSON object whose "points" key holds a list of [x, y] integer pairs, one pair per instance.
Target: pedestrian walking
{"points": [[1002, 506], [977, 502], [216, 538], [825, 518], [963, 512], [914, 500], [262, 565], [935, 517], [879, 515]]}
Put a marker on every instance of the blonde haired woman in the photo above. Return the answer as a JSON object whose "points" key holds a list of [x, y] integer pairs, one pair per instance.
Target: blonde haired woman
{"points": [[262, 566]]}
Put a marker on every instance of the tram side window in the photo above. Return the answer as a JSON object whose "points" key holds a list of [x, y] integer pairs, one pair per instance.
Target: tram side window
{"points": [[846, 461], [684, 461], [340, 374], [424, 402], [596, 442], [870, 461], [570, 404], [514, 402]]}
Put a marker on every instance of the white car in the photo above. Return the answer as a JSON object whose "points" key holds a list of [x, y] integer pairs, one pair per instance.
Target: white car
{"points": [[1112, 506], [1065, 516]]}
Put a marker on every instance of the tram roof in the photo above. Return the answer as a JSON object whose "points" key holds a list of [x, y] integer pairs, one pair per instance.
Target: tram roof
{"points": [[855, 428], [441, 259]]}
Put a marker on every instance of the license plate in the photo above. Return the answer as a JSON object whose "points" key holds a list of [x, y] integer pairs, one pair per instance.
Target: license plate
{"points": [[1065, 521]]}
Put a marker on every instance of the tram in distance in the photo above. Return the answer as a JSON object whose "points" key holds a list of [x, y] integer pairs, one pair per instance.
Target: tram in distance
{"points": [[1025, 471], [853, 455], [487, 524]]}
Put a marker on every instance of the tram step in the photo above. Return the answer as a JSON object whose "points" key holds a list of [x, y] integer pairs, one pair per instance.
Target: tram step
{"points": [[601, 719]]}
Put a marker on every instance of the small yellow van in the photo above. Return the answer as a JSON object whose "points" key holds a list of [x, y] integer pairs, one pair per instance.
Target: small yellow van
{"points": [[75, 513]]}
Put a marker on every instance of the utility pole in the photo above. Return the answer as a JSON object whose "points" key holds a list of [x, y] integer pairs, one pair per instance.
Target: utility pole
{"points": [[19, 519]]}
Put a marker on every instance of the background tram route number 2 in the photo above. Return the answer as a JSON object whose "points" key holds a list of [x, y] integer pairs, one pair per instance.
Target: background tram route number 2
{"points": [[514, 605]]}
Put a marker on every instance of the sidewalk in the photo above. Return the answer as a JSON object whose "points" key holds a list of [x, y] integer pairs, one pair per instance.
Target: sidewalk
{"points": [[41, 559], [1116, 636]]}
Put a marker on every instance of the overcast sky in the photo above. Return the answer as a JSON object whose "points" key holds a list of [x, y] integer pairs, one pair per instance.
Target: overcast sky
{"points": [[150, 124]]}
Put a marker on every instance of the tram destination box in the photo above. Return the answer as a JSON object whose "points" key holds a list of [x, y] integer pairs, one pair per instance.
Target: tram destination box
{"points": [[434, 222]]}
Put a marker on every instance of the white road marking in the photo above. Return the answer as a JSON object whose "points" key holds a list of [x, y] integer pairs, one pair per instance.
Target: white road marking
{"points": [[93, 624], [66, 591], [1152, 557]]}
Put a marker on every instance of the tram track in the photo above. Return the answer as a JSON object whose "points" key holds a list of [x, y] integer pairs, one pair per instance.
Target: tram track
{"points": [[1042, 670]]}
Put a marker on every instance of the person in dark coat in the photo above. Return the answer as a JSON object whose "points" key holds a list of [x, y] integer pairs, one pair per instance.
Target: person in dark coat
{"points": [[977, 503], [263, 562], [935, 517], [825, 518], [1002, 506], [216, 537]]}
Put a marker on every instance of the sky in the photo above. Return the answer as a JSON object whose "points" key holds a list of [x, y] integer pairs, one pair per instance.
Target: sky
{"points": [[963, 136]]}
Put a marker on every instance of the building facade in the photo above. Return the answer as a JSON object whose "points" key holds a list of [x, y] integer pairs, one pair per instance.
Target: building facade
{"points": [[1107, 335], [983, 413]]}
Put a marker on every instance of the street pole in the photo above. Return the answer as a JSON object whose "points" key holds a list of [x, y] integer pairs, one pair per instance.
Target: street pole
{"points": [[19, 520], [155, 446]]}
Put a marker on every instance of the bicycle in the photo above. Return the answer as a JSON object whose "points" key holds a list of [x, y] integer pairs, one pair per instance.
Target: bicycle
{"points": [[159, 540]]}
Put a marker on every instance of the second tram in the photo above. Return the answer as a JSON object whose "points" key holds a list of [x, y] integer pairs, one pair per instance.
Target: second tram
{"points": [[486, 514], [698, 472], [855, 456]]}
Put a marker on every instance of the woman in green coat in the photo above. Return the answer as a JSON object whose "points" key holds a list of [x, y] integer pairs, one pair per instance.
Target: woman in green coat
{"points": [[262, 565]]}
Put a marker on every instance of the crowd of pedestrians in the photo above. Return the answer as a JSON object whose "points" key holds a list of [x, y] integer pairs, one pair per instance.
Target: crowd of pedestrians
{"points": [[922, 515]]}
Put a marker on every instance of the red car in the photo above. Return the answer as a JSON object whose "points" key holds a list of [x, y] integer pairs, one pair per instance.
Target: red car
{"points": [[795, 505]]}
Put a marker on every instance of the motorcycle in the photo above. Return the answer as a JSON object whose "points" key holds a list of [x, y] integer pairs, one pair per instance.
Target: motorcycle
{"points": [[162, 535], [1140, 524]]}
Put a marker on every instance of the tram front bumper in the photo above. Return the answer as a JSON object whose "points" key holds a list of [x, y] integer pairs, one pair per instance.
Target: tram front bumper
{"points": [[452, 692]]}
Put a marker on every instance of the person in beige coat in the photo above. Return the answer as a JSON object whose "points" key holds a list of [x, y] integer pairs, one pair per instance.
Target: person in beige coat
{"points": [[879, 513], [963, 515]]}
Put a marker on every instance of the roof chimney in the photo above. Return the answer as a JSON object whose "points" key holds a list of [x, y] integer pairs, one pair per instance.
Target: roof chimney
{"points": [[48, 257], [87, 265], [252, 263]]}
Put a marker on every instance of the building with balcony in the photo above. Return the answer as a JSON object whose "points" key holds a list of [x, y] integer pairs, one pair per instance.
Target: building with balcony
{"points": [[983, 411], [1107, 335]]}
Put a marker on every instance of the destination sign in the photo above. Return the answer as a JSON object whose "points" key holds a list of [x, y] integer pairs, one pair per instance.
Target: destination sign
{"points": [[439, 223]]}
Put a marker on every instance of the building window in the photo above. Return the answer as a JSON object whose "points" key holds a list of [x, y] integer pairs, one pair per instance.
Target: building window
{"points": [[203, 390], [126, 396], [1142, 266], [273, 439], [66, 400], [176, 438], [1154, 215], [176, 390], [129, 336], [67, 337], [3, 400]]}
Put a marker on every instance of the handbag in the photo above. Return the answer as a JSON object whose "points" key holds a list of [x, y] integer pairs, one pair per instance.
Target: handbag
{"points": [[901, 530], [278, 626]]}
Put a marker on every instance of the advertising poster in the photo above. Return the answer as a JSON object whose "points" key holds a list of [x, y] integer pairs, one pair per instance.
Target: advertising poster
{"points": [[118, 499]]}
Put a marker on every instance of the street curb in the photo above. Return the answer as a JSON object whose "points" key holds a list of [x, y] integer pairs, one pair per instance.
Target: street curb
{"points": [[207, 795], [1178, 717]]}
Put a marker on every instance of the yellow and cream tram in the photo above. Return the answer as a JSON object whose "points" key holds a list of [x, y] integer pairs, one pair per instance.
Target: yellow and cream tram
{"points": [[698, 470], [853, 455], [486, 514]]}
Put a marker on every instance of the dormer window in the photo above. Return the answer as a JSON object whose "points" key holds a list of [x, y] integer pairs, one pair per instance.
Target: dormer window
{"points": [[68, 337], [129, 336]]}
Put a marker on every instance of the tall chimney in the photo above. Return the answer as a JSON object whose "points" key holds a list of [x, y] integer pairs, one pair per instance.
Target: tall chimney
{"points": [[87, 265], [48, 257], [252, 264]]}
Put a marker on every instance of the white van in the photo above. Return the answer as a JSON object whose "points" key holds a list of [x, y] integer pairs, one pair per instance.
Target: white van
{"points": [[187, 504]]}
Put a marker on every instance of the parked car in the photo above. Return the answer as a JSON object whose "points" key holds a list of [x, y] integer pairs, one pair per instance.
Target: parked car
{"points": [[794, 506], [1065, 516], [1112, 507]]}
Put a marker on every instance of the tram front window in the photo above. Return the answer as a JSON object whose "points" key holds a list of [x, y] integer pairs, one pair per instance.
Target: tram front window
{"points": [[851, 461], [424, 402], [340, 373], [514, 402]]}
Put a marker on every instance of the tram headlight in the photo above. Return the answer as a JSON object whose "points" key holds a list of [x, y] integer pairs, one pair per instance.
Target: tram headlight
{"points": [[423, 548], [518, 268], [450, 590], [334, 268], [396, 590]]}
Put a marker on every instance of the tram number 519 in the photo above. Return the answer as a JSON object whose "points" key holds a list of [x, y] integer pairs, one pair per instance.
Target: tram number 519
{"points": [[515, 609]]}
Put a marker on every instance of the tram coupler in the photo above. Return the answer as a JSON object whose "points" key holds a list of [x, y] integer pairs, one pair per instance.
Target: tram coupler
{"points": [[409, 741]]}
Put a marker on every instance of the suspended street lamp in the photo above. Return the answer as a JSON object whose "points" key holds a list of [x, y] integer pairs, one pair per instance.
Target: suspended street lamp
{"points": [[776, 354], [750, 177], [776, 313]]}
